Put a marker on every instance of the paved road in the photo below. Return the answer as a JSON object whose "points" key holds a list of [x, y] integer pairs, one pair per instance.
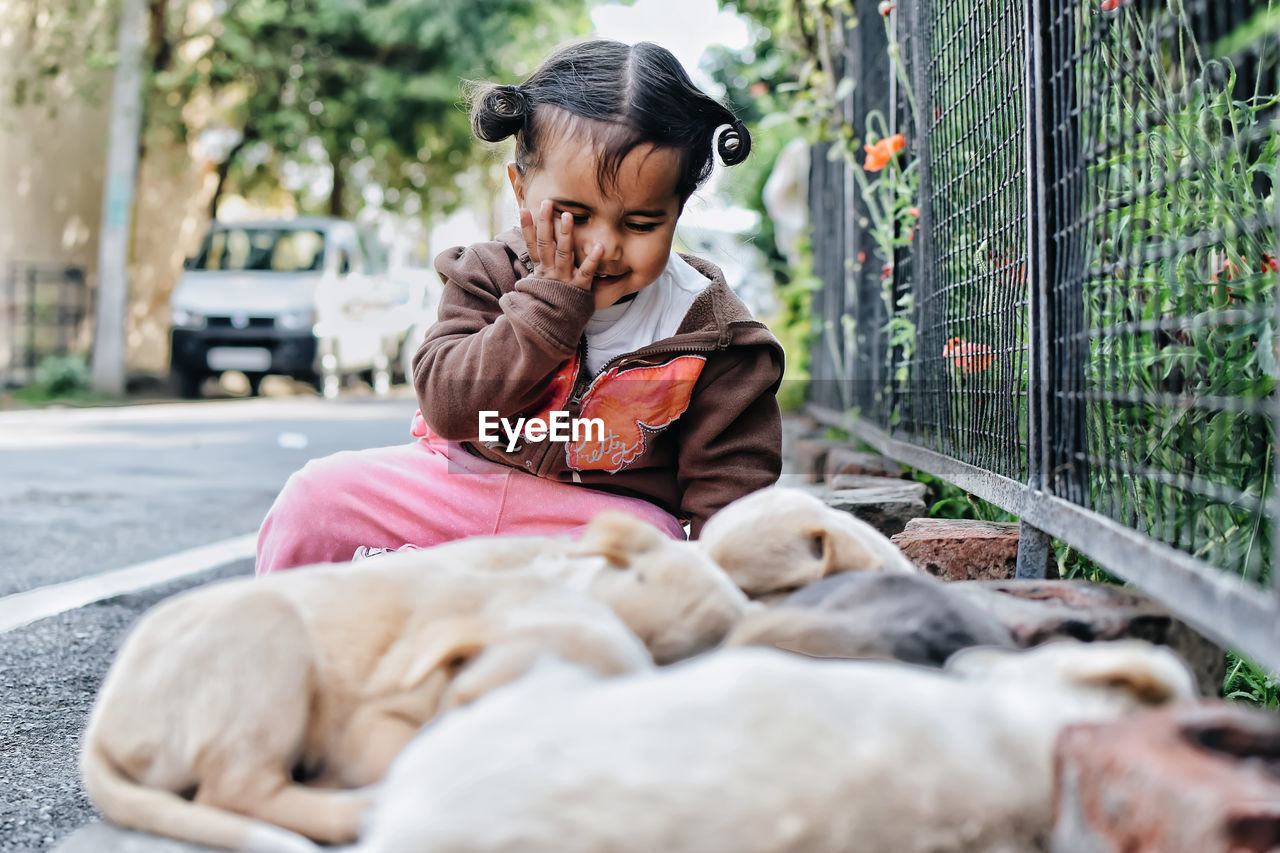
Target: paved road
{"points": [[92, 490]]}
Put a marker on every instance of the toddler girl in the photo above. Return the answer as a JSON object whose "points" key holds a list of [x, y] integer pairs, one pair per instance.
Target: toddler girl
{"points": [[642, 381]]}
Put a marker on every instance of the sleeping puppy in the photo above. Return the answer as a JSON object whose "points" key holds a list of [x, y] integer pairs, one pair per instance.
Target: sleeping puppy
{"points": [[670, 593], [780, 539], [873, 615], [757, 751], [235, 714]]}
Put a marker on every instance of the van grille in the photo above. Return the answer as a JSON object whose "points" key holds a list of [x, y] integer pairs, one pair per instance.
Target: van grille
{"points": [[254, 323]]}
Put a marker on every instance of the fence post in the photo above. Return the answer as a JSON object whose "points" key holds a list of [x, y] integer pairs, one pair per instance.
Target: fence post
{"points": [[1034, 545]]}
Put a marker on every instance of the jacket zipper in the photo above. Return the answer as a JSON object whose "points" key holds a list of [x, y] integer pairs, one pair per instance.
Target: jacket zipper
{"points": [[581, 388]]}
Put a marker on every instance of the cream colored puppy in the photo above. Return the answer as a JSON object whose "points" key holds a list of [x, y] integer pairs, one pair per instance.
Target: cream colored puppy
{"points": [[233, 712], [759, 751], [781, 539], [669, 592]]}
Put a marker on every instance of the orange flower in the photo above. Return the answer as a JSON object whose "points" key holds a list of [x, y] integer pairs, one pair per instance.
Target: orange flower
{"points": [[914, 211], [969, 357], [1228, 269], [879, 155]]}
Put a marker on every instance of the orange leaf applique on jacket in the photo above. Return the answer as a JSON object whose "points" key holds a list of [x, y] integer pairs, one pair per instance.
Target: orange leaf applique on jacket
{"points": [[633, 404]]}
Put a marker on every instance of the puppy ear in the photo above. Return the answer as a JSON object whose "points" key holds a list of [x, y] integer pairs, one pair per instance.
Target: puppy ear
{"points": [[843, 551], [618, 537], [1153, 675], [447, 644]]}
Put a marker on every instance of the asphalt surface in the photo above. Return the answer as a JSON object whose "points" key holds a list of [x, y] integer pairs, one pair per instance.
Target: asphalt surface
{"points": [[92, 490]]}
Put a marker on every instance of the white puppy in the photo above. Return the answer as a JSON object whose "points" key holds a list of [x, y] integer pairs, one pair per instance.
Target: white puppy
{"points": [[235, 713], [758, 751], [669, 592], [780, 539]]}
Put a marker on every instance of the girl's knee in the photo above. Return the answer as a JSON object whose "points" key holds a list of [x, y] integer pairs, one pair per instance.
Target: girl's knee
{"points": [[317, 483]]}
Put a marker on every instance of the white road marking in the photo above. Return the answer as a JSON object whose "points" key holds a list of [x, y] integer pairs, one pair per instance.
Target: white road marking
{"points": [[23, 608]]}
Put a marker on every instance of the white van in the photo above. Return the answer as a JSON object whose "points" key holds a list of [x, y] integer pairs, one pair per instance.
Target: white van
{"points": [[308, 298]]}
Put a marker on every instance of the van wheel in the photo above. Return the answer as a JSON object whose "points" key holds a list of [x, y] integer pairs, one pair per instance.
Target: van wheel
{"points": [[187, 383], [381, 375], [329, 377]]}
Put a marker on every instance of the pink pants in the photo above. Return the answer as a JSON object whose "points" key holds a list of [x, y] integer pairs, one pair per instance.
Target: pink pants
{"points": [[424, 493]]}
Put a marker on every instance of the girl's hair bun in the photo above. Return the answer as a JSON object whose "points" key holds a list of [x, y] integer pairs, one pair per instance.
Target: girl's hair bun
{"points": [[498, 112], [734, 143]]}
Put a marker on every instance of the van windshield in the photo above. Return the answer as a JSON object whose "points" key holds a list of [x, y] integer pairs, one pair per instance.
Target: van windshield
{"points": [[262, 249]]}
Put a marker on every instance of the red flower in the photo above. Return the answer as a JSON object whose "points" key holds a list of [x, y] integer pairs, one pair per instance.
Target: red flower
{"points": [[879, 154], [914, 211], [758, 89], [969, 357], [862, 257], [1269, 263], [1112, 5]]}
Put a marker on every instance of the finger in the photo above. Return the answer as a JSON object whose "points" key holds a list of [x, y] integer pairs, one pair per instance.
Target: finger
{"points": [[587, 272], [545, 239], [526, 231], [564, 247]]}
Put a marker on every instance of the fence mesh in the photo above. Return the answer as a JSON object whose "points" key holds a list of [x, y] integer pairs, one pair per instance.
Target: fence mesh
{"points": [[971, 353], [1164, 136], [44, 311], [1109, 164]]}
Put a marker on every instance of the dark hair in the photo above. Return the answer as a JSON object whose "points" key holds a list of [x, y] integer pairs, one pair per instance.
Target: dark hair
{"points": [[622, 96]]}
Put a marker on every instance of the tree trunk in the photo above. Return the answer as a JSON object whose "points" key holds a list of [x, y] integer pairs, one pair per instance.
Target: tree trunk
{"points": [[223, 169], [339, 184], [161, 48]]}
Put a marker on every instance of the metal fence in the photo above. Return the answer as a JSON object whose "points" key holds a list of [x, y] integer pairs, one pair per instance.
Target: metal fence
{"points": [[44, 311], [1060, 293]]}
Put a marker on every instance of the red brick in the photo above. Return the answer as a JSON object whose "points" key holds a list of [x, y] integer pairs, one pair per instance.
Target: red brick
{"points": [[956, 550], [1194, 778]]}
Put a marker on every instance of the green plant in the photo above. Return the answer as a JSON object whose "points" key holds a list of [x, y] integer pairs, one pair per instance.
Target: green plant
{"points": [[950, 501], [62, 376], [1180, 285], [1247, 682]]}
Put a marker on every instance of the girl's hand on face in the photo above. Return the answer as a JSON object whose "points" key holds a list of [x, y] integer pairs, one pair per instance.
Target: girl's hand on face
{"points": [[551, 248]]}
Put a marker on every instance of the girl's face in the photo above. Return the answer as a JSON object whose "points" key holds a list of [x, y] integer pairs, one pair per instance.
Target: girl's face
{"points": [[634, 220]]}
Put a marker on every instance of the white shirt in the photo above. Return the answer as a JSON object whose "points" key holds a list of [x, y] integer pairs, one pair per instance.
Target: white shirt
{"points": [[653, 315]]}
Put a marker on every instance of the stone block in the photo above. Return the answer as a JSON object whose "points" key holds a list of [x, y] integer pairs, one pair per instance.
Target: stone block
{"points": [[809, 455], [961, 549], [846, 460], [886, 508], [1191, 778], [1038, 611], [840, 482]]}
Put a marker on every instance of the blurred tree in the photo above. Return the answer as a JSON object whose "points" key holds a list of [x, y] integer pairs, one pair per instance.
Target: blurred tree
{"points": [[368, 90]]}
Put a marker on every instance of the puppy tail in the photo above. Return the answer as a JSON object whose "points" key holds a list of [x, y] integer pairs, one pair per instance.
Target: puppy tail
{"points": [[162, 812]]}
